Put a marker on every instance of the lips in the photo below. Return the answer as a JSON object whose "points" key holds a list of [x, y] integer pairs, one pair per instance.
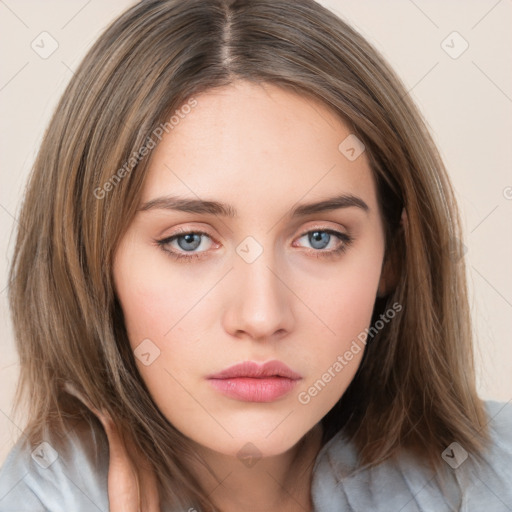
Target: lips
{"points": [[253, 382], [255, 370]]}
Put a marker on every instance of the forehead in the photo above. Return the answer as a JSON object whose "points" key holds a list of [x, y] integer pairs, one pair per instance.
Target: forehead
{"points": [[248, 142]]}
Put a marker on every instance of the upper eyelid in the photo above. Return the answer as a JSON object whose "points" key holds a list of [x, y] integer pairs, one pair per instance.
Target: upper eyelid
{"points": [[318, 227], [184, 231]]}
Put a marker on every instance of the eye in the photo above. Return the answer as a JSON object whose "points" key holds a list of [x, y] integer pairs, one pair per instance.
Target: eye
{"points": [[320, 239], [186, 241], [184, 244]]}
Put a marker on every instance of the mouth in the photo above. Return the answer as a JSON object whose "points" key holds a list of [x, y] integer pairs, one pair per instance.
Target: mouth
{"points": [[253, 382]]}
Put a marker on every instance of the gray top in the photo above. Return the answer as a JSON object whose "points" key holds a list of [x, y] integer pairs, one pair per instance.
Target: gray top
{"points": [[75, 478]]}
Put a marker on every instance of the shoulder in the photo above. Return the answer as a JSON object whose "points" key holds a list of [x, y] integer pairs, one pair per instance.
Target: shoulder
{"points": [[58, 474], [500, 424], [406, 484]]}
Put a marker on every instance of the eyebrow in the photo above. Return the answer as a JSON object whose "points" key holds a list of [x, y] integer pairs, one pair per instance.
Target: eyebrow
{"points": [[226, 210]]}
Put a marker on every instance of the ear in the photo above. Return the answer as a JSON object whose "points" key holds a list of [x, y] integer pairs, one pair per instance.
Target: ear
{"points": [[392, 264]]}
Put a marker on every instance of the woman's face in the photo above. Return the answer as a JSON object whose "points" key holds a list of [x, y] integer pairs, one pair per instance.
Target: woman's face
{"points": [[268, 276]]}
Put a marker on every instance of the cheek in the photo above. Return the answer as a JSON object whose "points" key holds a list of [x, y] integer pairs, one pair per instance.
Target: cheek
{"points": [[151, 298], [345, 298], [148, 310], [160, 310], [345, 316], [161, 335], [345, 308]]}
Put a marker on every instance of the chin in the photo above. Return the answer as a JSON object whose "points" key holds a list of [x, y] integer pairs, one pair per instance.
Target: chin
{"points": [[255, 442]]}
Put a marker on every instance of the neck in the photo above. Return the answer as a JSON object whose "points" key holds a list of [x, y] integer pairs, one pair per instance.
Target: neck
{"points": [[278, 483]]}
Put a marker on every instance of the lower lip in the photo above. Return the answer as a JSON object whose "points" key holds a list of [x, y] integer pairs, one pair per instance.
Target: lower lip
{"points": [[253, 389]]}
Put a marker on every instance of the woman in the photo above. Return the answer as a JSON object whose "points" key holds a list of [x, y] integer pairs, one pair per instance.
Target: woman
{"points": [[240, 284]]}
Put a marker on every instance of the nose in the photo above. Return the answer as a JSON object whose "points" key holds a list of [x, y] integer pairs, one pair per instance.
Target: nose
{"points": [[260, 308]]}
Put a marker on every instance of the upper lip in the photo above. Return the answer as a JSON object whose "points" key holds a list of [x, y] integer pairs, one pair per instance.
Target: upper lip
{"points": [[255, 370]]}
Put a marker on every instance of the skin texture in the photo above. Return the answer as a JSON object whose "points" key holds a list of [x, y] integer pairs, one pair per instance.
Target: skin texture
{"points": [[263, 150]]}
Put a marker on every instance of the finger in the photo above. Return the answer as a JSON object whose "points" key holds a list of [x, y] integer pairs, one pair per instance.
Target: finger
{"points": [[147, 483], [150, 501], [123, 482], [126, 488]]}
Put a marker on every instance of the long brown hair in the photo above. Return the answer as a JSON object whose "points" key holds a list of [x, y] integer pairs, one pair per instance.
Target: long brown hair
{"points": [[415, 388]]}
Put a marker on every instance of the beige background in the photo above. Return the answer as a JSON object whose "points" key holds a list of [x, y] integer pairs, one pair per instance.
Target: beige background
{"points": [[467, 102]]}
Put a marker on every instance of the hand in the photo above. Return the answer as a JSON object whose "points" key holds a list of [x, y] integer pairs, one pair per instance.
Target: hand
{"points": [[132, 485]]}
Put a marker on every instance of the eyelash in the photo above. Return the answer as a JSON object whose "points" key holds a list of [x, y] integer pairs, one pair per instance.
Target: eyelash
{"points": [[320, 253]]}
